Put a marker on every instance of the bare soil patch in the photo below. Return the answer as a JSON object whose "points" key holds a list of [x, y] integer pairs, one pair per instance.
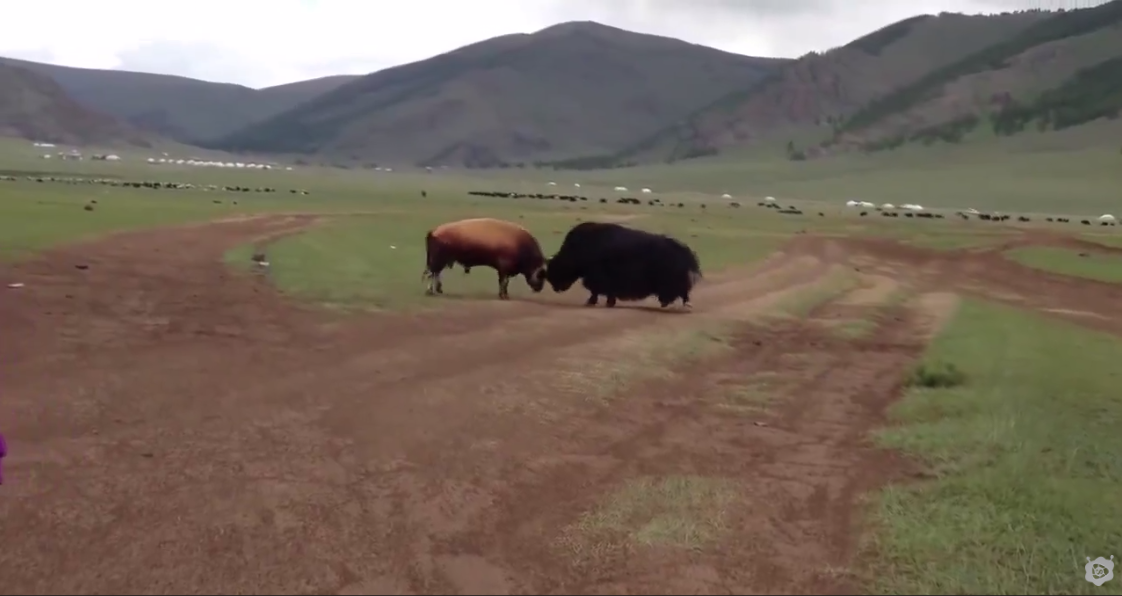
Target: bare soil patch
{"points": [[178, 427]]}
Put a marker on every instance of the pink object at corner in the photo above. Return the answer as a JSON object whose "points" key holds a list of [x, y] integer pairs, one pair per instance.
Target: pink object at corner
{"points": [[3, 452]]}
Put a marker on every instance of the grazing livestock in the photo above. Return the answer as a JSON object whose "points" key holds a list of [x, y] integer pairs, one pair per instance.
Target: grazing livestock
{"points": [[624, 264], [502, 245]]}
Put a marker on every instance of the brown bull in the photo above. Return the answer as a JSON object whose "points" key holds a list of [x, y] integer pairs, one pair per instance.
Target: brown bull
{"points": [[502, 245]]}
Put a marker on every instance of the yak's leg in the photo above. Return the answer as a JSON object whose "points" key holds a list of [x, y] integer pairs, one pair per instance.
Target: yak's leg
{"points": [[593, 300], [686, 301], [611, 301], [504, 283]]}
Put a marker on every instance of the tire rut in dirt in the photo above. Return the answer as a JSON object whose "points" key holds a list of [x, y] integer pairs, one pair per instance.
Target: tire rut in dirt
{"points": [[799, 469], [991, 275], [215, 439]]}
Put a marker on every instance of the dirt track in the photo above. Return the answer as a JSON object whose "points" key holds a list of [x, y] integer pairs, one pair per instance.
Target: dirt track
{"points": [[178, 428]]}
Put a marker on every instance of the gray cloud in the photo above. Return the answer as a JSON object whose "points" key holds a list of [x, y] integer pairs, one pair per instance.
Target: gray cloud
{"points": [[787, 28], [196, 60]]}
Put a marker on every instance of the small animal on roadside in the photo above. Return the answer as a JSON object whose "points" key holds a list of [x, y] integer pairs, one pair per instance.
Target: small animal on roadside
{"points": [[506, 247], [622, 263]]}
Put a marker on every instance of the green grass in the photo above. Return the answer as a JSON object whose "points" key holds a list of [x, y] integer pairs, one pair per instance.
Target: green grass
{"points": [[350, 264], [677, 511], [1098, 266], [1073, 173], [836, 284], [1027, 460], [36, 217]]}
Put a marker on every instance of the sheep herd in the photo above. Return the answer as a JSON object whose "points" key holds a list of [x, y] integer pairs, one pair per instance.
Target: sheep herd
{"points": [[78, 180], [906, 210]]}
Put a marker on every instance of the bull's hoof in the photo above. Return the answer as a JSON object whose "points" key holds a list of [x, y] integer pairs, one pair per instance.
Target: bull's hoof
{"points": [[687, 306], [611, 303], [429, 292]]}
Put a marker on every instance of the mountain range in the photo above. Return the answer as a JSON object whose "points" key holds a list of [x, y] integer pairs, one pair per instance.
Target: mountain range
{"points": [[584, 95]]}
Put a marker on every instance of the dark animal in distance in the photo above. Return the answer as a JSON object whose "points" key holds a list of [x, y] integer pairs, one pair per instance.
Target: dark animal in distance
{"points": [[506, 247], [624, 264]]}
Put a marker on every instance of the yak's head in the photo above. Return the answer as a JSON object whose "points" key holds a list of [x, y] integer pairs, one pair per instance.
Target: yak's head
{"points": [[536, 279], [560, 274]]}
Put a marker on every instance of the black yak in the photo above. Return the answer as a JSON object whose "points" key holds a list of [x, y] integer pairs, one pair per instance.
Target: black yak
{"points": [[502, 245], [624, 264]]}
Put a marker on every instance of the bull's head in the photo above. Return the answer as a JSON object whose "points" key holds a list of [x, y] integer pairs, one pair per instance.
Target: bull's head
{"points": [[536, 279]]}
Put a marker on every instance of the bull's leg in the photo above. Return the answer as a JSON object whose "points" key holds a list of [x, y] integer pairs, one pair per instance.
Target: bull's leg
{"points": [[611, 301], [686, 301], [504, 283], [593, 300], [437, 282], [430, 288]]}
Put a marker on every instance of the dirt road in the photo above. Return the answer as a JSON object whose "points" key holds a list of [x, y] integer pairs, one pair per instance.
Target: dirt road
{"points": [[176, 427]]}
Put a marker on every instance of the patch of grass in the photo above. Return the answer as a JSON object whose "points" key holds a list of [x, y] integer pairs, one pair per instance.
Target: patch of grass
{"points": [[839, 282], [936, 375], [1027, 459], [1108, 240], [855, 329], [749, 395], [1102, 267], [376, 261], [676, 511], [36, 217], [955, 241], [650, 356]]}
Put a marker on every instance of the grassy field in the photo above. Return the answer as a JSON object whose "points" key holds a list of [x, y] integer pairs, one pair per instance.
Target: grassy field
{"points": [[1103, 267], [375, 261], [1025, 453], [1026, 458]]}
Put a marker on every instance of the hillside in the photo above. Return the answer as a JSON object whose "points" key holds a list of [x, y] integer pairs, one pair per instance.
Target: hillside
{"points": [[35, 107], [1059, 73], [809, 96], [187, 110], [568, 90]]}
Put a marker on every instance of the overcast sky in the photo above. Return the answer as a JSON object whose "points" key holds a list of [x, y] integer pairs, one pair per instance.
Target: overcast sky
{"points": [[262, 43]]}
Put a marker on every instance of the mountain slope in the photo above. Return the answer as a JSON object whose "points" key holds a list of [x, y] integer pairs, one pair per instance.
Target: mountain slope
{"points": [[1065, 56], [819, 90], [35, 107], [567, 90], [180, 108]]}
